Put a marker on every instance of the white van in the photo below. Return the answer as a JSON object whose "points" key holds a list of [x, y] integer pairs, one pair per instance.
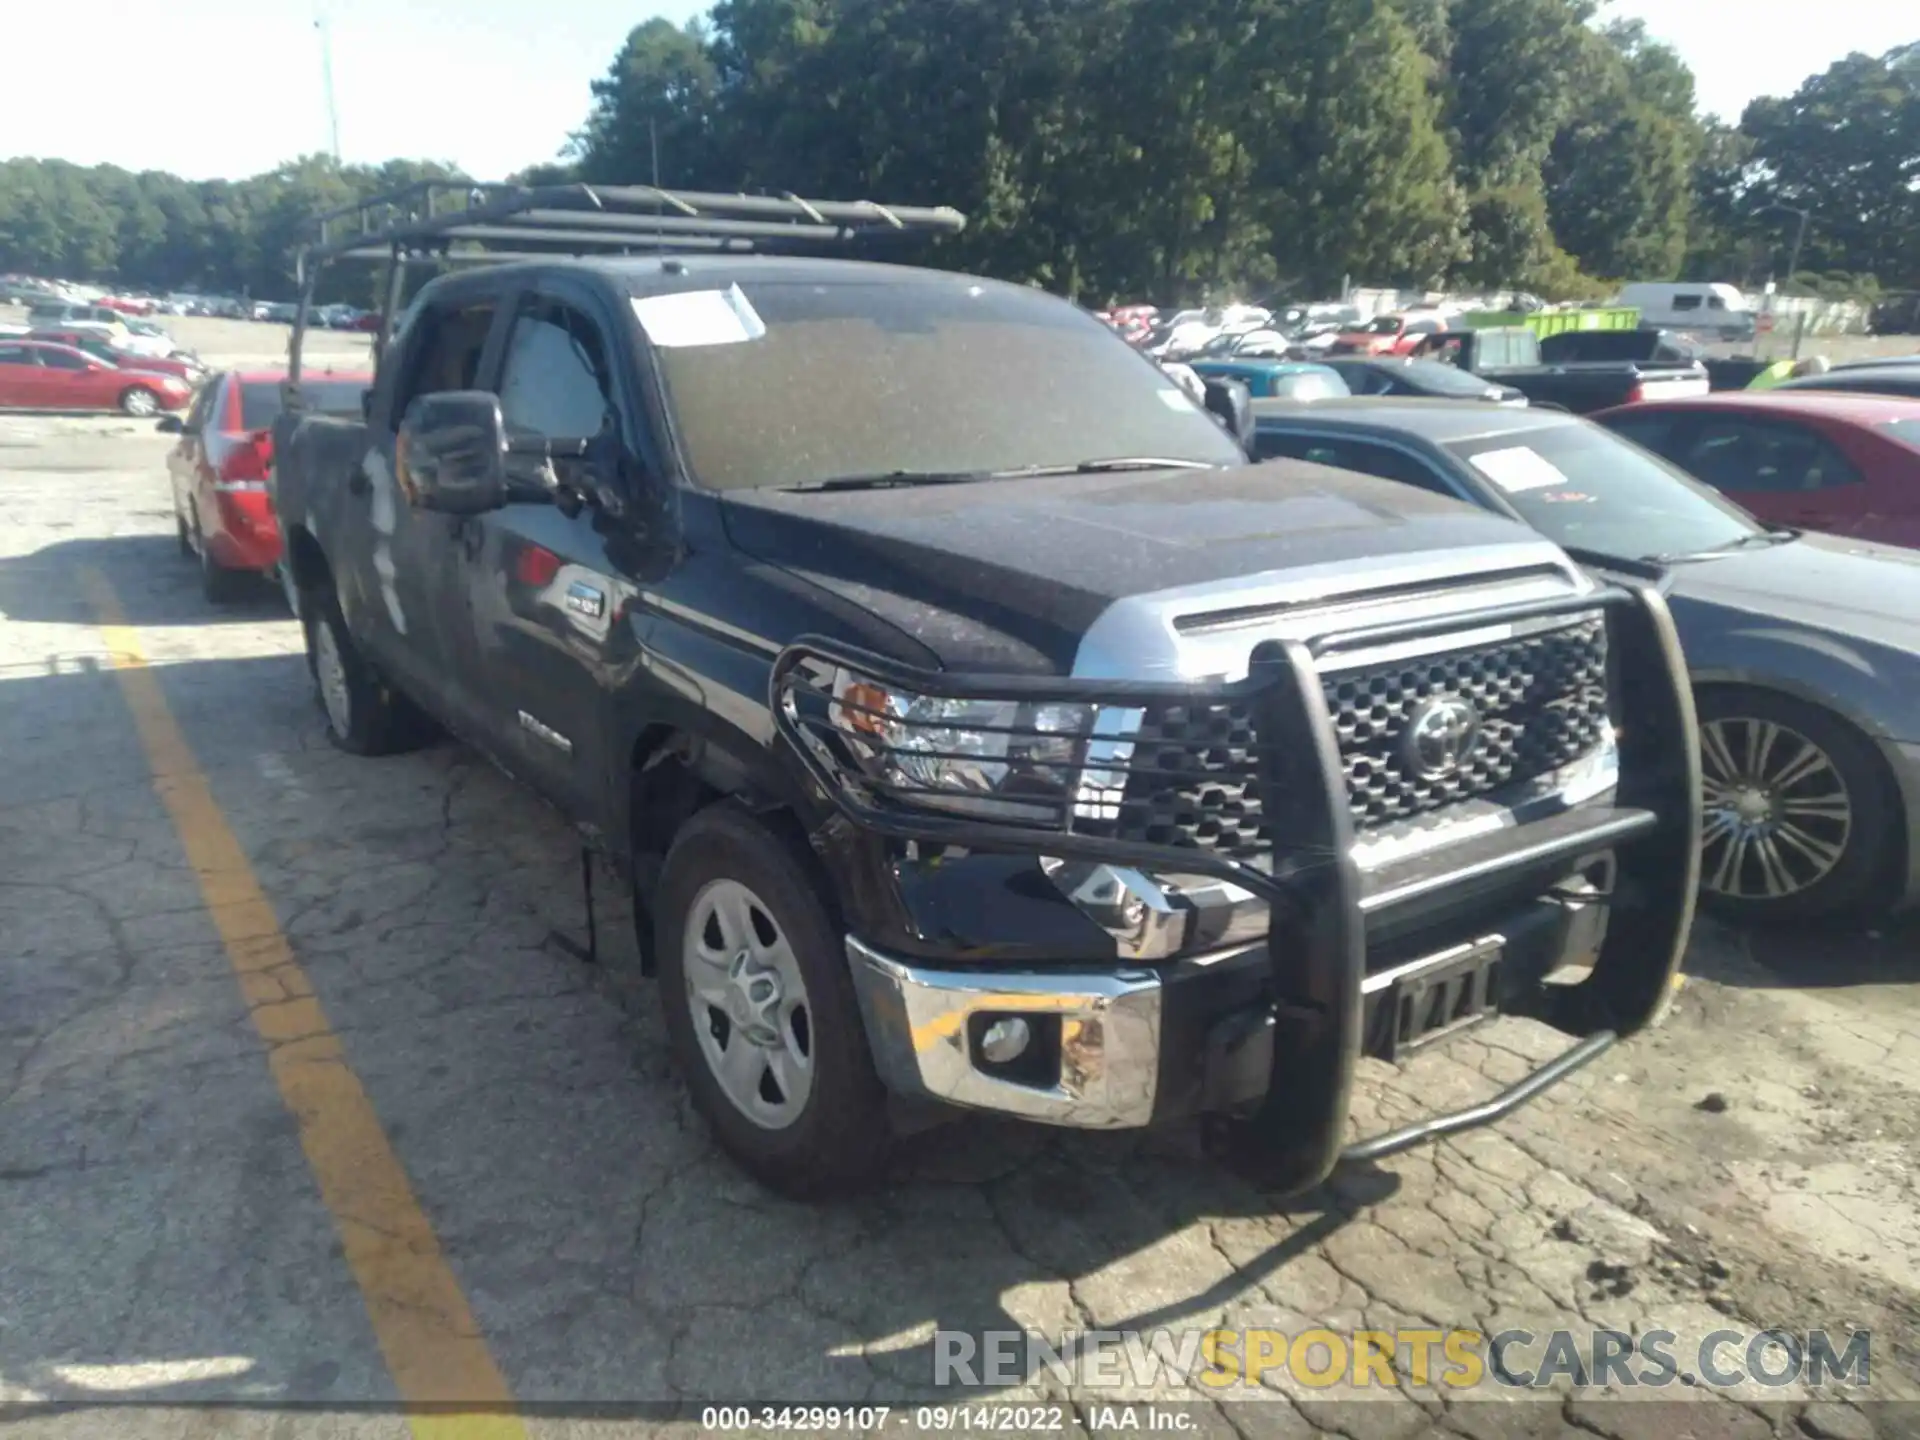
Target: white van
{"points": [[1683, 305]]}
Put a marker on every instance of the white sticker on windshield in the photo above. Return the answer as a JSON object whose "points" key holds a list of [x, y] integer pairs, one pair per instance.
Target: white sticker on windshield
{"points": [[698, 317], [1518, 468]]}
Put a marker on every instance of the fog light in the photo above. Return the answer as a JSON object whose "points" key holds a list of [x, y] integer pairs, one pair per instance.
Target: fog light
{"points": [[1005, 1040]]}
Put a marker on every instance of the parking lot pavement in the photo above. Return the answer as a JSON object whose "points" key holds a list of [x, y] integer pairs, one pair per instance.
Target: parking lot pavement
{"points": [[300, 1103]]}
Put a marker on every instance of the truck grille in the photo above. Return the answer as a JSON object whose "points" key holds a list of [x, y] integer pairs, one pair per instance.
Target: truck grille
{"points": [[1541, 700]]}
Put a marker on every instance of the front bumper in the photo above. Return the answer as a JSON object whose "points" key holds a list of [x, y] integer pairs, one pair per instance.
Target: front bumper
{"points": [[1126, 1047]]}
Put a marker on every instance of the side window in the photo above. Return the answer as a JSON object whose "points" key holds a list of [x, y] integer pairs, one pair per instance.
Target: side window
{"points": [[1746, 455], [16, 355], [444, 353], [1269, 445], [1714, 302], [1423, 327], [1686, 302], [555, 381], [1649, 432], [1367, 381], [62, 360], [1390, 464], [202, 407]]}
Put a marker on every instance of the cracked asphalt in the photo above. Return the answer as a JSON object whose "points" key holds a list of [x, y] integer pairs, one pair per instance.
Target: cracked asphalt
{"points": [[171, 1240]]}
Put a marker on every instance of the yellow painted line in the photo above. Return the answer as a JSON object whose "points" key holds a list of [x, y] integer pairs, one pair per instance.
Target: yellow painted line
{"points": [[433, 1348]]}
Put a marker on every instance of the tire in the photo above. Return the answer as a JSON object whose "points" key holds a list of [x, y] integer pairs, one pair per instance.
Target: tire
{"points": [[218, 584], [139, 401], [1830, 851], [365, 716], [816, 1120], [183, 535]]}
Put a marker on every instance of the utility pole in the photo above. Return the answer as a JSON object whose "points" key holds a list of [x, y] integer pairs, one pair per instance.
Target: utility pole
{"points": [[653, 143], [326, 80], [1799, 239]]}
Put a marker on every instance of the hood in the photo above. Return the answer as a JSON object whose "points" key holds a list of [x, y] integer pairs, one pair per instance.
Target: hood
{"points": [[1850, 588], [1035, 561]]}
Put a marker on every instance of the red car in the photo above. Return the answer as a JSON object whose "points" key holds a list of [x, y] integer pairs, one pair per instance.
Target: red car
{"points": [[100, 348], [218, 471], [1389, 334], [125, 305], [1840, 463], [39, 375]]}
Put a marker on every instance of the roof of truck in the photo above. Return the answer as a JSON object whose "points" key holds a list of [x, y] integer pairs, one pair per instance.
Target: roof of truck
{"points": [[663, 273]]}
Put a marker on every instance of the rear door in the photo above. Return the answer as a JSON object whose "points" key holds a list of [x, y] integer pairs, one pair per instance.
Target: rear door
{"points": [[187, 464], [551, 633], [405, 593], [70, 382]]}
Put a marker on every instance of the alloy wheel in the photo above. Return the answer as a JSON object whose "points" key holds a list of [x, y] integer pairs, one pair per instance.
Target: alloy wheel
{"points": [[1777, 815]]}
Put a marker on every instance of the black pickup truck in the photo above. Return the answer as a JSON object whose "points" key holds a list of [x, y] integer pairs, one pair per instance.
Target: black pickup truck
{"points": [[976, 726], [1512, 355]]}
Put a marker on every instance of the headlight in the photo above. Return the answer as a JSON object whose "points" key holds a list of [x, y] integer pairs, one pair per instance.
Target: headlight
{"points": [[1005, 759]]}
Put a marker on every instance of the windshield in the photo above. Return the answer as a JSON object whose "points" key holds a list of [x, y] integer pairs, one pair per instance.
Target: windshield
{"points": [[1444, 379], [827, 381], [260, 400], [1385, 325], [1588, 489]]}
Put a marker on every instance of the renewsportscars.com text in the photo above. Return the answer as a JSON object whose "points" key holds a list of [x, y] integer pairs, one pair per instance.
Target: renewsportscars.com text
{"points": [[1456, 1359]]}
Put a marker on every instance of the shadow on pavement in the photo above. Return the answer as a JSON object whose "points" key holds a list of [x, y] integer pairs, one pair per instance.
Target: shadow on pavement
{"points": [[167, 1241], [156, 584], [1808, 955]]}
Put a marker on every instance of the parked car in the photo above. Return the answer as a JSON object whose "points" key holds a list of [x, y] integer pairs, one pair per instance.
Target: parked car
{"points": [[219, 467], [1387, 375], [978, 723], [1389, 334], [1804, 650], [1718, 310], [127, 304], [64, 314], [184, 366], [1270, 379], [1837, 463], [37, 375], [1890, 379], [1510, 355]]}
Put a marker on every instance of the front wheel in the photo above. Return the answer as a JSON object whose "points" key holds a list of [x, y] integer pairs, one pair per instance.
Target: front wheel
{"points": [[138, 401], [364, 715], [761, 1011], [1798, 814]]}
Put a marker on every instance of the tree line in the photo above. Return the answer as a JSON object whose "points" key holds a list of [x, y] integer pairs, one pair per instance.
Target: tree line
{"points": [[1161, 149]]}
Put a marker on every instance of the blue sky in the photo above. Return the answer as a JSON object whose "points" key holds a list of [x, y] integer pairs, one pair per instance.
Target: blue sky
{"points": [[232, 87]]}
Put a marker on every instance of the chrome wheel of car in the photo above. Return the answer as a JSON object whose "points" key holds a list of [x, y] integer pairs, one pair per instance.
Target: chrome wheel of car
{"points": [[749, 1003], [140, 403], [1777, 816], [330, 671]]}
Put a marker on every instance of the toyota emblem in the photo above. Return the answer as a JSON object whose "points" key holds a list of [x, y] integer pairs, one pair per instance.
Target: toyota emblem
{"points": [[1441, 735]]}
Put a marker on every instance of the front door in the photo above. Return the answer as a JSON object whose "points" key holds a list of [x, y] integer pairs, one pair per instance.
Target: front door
{"points": [[550, 583], [405, 600], [1784, 471]]}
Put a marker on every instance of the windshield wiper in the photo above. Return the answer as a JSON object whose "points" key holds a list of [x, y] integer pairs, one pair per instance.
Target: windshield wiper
{"points": [[891, 479], [1758, 540]]}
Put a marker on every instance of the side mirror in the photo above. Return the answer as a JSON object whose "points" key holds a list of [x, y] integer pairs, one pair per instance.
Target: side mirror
{"points": [[452, 453], [170, 425], [1232, 405]]}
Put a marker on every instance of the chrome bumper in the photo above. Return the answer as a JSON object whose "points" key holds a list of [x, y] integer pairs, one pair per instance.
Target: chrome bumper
{"points": [[920, 1024]]}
